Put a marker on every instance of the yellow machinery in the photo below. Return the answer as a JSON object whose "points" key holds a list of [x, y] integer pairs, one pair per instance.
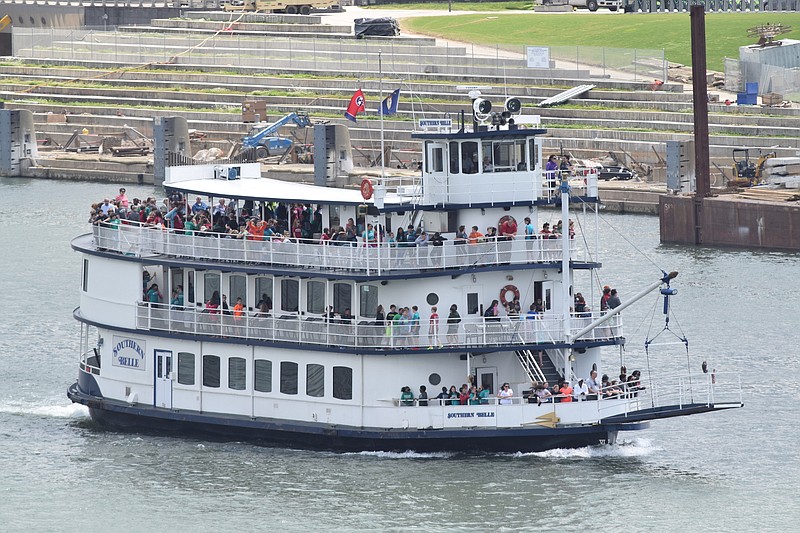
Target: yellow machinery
{"points": [[745, 172], [291, 7], [4, 22]]}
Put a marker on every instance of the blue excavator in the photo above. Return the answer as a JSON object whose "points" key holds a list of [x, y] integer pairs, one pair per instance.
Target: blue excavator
{"points": [[267, 142]]}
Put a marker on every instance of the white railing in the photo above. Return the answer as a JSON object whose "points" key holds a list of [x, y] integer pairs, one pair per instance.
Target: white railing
{"points": [[89, 362], [138, 240], [315, 330]]}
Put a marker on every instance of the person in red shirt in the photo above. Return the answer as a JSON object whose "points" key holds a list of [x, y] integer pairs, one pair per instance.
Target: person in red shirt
{"points": [[256, 229]]}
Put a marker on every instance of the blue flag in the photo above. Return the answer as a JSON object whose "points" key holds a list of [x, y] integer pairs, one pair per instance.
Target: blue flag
{"points": [[389, 104]]}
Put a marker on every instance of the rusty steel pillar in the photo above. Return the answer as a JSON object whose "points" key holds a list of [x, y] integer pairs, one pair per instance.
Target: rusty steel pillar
{"points": [[700, 106]]}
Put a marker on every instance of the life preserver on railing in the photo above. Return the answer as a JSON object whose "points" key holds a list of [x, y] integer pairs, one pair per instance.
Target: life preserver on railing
{"points": [[366, 189], [505, 290]]}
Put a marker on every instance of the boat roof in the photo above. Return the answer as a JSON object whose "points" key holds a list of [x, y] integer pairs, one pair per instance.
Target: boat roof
{"points": [[481, 134], [271, 190]]}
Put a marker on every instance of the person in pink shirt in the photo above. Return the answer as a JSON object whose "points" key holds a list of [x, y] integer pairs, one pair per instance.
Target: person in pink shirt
{"points": [[122, 199]]}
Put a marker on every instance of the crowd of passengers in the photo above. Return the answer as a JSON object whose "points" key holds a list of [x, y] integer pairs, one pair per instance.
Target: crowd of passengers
{"points": [[271, 221], [627, 386], [399, 327]]}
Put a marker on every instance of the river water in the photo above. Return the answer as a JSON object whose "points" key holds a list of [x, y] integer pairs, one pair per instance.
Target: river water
{"points": [[734, 470]]}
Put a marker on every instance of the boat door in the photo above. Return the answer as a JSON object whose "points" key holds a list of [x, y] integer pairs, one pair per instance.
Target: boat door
{"points": [[435, 174], [163, 383], [487, 377]]}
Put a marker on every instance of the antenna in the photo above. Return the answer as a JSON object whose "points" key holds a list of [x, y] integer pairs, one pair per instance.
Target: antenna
{"points": [[766, 33]]}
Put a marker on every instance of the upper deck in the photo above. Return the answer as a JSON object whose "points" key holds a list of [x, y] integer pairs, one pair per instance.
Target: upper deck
{"points": [[381, 259]]}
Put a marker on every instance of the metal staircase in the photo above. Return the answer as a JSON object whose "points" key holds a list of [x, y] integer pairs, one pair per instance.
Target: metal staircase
{"points": [[536, 372]]}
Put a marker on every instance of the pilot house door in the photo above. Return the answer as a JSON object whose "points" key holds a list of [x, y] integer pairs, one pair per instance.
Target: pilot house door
{"points": [[163, 384], [435, 174]]}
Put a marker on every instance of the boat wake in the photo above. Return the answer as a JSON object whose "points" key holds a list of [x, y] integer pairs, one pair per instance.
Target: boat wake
{"points": [[637, 447], [51, 411], [404, 455]]}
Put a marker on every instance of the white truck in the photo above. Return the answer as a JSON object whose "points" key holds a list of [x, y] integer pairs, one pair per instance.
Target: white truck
{"points": [[591, 5]]}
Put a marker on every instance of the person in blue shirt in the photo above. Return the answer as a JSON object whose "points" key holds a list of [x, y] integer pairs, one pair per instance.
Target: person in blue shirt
{"points": [[415, 320], [199, 205]]}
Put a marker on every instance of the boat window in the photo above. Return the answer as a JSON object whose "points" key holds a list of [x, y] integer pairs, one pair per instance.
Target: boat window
{"points": [[434, 162], [211, 368], [185, 368], [503, 156], [334, 218], [210, 285], [472, 303], [176, 280], [288, 377], [238, 285], [262, 375], [290, 295], [343, 383], [518, 156], [315, 380], [533, 152], [486, 159], [368, 301], [264, 290], [342, 297], [85, 275], [453, 157], [190, 286], [237, 373], [469, 157], [432, 298], [315, 297]]}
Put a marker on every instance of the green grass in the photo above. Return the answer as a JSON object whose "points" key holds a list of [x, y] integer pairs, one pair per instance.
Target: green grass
{"points": [[725, 32], [441, 5]]}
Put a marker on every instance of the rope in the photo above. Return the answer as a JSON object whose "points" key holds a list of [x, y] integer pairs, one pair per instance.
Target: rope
{"points": [[610, 225]]}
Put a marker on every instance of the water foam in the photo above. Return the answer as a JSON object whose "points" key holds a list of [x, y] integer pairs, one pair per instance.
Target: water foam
{"points": [[72, 410], [404, 455], [637, 447]]}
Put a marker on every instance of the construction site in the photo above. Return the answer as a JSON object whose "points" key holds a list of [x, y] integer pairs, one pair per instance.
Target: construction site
{"points": [[235, 78]]}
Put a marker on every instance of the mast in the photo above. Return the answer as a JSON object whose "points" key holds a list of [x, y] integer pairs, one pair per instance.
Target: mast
{"points": [[566, 297], [380, 110], [378, 226]]}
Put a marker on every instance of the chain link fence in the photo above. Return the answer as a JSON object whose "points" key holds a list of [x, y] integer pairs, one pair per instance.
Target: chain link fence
{"points": [[330, 55], [771, 79]]}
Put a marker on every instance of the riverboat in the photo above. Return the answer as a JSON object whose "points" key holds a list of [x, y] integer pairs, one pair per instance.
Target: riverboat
{"points": [[307, 360]]}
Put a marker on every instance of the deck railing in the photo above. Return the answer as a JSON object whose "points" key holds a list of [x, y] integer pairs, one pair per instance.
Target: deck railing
{"points": [[360, 333], [138, 240]]}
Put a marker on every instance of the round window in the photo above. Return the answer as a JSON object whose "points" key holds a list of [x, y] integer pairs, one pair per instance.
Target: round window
{"points": [[432, 298], [434, 379]]}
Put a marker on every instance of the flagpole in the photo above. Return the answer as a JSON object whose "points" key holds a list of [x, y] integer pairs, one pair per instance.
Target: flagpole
{"points": [[380, 110], [383, 151]]}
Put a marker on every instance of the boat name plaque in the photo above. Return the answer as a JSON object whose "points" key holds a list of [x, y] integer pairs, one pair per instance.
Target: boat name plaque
{"points": [[480, 414], [128, 353], [435, 123]]}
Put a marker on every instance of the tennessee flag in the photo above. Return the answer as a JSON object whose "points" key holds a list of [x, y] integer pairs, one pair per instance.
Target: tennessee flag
{"points": [[356, 106], [389, 105]]}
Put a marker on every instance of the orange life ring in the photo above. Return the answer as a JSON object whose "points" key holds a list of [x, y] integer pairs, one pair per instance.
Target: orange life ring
{"points": [[366, 189], [505, 290]]}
